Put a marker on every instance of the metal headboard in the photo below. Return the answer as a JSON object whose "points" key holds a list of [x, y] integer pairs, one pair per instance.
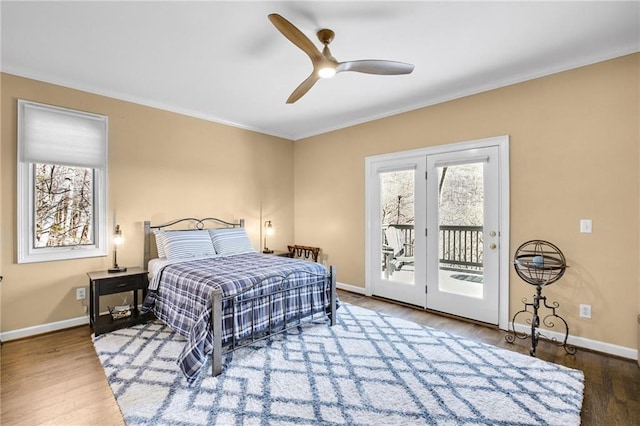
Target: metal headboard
{"points": [[188, 223]]}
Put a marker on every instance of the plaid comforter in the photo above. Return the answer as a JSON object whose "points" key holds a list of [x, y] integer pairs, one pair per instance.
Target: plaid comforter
{"points": [[183, 299]]}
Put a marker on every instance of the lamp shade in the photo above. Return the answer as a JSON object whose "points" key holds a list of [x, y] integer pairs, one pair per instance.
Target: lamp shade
{"points": [[268, 231], [118, 239]]}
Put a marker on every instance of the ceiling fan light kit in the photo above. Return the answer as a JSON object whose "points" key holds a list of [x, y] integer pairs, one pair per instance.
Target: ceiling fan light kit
{"points": [[326, 72], [324, 64]]}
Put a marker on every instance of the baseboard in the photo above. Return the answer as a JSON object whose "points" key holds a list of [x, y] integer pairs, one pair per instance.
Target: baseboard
{"points": [[44, 328], [352, 288], [582, 342]]}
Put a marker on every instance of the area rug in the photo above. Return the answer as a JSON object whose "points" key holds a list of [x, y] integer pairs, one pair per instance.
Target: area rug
{"points": [[369, 368]]}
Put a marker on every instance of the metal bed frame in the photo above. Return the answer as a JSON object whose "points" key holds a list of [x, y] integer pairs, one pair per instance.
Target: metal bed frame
{"points": [[327, 281]]}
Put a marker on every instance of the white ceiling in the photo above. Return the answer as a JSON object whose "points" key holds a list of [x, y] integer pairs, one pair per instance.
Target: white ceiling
{"points": [[225, 62]]}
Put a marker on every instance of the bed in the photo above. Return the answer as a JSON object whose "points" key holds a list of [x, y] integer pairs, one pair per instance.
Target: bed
{"points": [[228, 296]]}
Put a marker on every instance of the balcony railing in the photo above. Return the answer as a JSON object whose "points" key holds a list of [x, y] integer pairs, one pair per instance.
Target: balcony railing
{"points": [[461, 247]]}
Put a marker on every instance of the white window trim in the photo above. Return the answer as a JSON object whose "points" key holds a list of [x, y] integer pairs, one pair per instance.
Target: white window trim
{"points": [[26, 252]]}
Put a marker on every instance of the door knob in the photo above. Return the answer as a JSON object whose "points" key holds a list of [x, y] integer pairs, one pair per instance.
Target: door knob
{"points": [[492, 246]]}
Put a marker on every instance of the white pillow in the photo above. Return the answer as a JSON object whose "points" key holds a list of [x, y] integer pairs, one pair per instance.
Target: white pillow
{"points": [[229, 241], [182, 244], [160, 242]]}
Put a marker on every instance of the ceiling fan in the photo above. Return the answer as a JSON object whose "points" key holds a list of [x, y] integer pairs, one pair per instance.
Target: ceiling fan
{"points": [[324, 64]]}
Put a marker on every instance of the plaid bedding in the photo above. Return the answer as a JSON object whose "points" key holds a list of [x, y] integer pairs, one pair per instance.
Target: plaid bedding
{"points": [[183, 299]]}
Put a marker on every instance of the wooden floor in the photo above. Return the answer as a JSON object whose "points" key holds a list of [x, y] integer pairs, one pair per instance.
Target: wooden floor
{"points": [[56, 379]]}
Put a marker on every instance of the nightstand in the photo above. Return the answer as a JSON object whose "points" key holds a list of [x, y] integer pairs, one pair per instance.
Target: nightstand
{"points": [[280, 253], [102, 283]]}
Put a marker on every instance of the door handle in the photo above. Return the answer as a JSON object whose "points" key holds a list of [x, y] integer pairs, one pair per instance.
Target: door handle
{"points": [[492, 246]]}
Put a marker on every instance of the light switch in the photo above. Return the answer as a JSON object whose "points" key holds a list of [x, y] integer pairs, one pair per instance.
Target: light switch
{"points": [[586, 227]]}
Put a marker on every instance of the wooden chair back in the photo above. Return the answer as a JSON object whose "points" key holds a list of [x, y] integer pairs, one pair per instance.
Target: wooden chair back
{"points": [[304, 252]]}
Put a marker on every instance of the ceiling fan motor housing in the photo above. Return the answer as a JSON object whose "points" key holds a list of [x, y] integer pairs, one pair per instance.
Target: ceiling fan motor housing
{"points": [[326, 36]]}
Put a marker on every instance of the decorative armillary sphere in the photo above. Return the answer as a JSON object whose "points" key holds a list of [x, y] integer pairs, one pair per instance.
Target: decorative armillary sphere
{"points": [[539, 262]]}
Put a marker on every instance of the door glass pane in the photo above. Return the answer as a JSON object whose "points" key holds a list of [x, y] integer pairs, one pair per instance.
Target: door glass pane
{"points": [[397, 224], [460, 236]]}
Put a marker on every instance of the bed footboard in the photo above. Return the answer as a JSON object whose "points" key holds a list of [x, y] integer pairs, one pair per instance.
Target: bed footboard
{"points": [[328, 283]]}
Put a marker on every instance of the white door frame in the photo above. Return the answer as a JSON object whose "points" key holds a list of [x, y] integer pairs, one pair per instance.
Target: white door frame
{"points": [[372, 257]]}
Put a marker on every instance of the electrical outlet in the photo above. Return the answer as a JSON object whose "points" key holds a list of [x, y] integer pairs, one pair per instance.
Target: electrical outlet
{"points": [[81, 293], [585, 311]]}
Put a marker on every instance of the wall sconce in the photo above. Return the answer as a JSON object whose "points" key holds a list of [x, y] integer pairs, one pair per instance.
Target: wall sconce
{"points": [[117, 240], [268, 231]]}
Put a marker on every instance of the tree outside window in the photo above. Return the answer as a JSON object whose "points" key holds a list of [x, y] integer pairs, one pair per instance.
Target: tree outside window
{"points": [[63, 205], [397, 197]]}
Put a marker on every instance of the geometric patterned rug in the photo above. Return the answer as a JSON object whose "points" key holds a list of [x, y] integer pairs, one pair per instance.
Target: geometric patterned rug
{"points": [[369, 368]]}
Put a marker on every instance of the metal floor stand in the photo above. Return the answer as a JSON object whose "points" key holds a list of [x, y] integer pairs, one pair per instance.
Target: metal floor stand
{"points": [[535, 322]]}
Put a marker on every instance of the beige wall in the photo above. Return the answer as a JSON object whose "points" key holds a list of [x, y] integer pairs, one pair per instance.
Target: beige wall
{"points": [[574, 155], [2, 244], [162, 166]]}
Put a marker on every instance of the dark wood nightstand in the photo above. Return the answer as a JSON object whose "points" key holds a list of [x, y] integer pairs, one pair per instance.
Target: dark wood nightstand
{"points": [[102, 283]]}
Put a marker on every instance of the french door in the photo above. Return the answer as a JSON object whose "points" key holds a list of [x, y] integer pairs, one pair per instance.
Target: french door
{"points": [[397, 227], [437, 225], [463, 239]]}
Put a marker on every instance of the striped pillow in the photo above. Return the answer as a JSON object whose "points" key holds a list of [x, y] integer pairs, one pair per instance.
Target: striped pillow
{"points": [[229, 241], [160, 242], [181, 244]]}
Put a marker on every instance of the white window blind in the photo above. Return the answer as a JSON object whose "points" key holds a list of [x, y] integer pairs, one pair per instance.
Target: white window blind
{"points": [[50, 135], [60, 136]]}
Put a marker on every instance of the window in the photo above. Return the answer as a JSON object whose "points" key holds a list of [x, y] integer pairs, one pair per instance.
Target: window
{"points": [[62, 175]]}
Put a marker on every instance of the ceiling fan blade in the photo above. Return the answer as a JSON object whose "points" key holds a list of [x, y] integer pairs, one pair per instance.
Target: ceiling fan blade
{"points": [[376, 66], [295, 36], [303, 88]]}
